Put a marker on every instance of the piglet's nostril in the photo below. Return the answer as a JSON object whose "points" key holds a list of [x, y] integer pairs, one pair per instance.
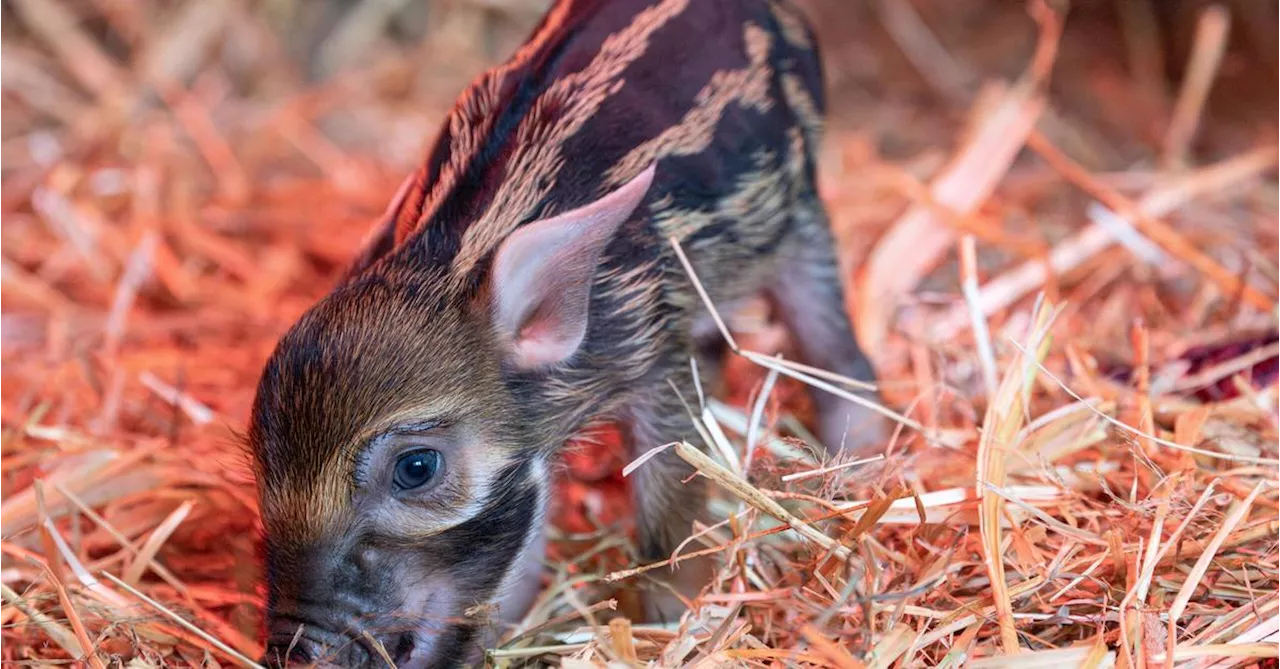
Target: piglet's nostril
{"points": [[313, 649], [403, 648], [292, 652]]}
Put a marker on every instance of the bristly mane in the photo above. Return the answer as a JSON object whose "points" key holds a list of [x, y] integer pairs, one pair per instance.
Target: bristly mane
{"points": [[503, 157]]}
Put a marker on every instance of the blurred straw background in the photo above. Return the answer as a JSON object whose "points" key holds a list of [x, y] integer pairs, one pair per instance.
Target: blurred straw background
{"points": [[1060, 225]]}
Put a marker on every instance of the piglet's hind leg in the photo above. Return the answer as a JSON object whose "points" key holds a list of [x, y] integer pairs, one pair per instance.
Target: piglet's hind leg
{"points": [[808, 298]]}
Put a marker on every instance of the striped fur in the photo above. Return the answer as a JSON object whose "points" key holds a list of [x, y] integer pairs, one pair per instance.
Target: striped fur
{"points": [[726, 97]]}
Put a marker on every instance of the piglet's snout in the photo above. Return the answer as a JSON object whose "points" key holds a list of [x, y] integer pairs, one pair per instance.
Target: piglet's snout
{"points": [[329, 608], [333, 643], [294, 650], [301, 634]]}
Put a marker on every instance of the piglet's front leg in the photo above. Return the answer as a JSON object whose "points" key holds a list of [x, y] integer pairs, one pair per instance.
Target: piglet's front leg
{"points": [[668, 498]]}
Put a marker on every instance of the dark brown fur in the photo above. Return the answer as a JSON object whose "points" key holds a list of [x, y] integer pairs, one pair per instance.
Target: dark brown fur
{"points": [[726, 97]]}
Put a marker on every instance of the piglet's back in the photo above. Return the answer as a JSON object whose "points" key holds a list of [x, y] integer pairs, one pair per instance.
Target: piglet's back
{"points": [[602, 89]]}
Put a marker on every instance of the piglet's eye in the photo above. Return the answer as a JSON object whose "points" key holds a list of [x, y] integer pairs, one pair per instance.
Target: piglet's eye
{"points": [[416, 469]]}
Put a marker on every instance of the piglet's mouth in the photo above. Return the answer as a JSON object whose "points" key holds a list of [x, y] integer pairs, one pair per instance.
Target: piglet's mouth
{"points": [[439, 643], [312, 647], [423, 629]]}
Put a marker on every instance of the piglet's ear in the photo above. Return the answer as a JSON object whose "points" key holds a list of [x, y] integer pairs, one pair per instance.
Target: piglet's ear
{"points": [[542, 275]]}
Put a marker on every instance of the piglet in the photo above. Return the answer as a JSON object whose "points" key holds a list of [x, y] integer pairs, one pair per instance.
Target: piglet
{"points": [[522, 285]]}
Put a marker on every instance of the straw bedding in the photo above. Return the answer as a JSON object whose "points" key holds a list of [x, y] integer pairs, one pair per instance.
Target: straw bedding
{"points": [[1062, 260]]}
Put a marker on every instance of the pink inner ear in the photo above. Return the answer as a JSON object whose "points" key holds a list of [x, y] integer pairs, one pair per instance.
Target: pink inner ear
{"points": [[542, 275], [540, 343]]}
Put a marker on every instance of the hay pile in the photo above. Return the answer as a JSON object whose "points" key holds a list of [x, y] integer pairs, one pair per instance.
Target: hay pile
{"points": [[1065, 267]]}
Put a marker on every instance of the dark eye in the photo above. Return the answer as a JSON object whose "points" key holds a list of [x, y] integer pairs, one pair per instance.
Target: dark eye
{"points": [[413, 470]]}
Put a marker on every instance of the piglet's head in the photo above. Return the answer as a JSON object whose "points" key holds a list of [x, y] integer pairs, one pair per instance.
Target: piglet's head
{"points": [[402, 481]]}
